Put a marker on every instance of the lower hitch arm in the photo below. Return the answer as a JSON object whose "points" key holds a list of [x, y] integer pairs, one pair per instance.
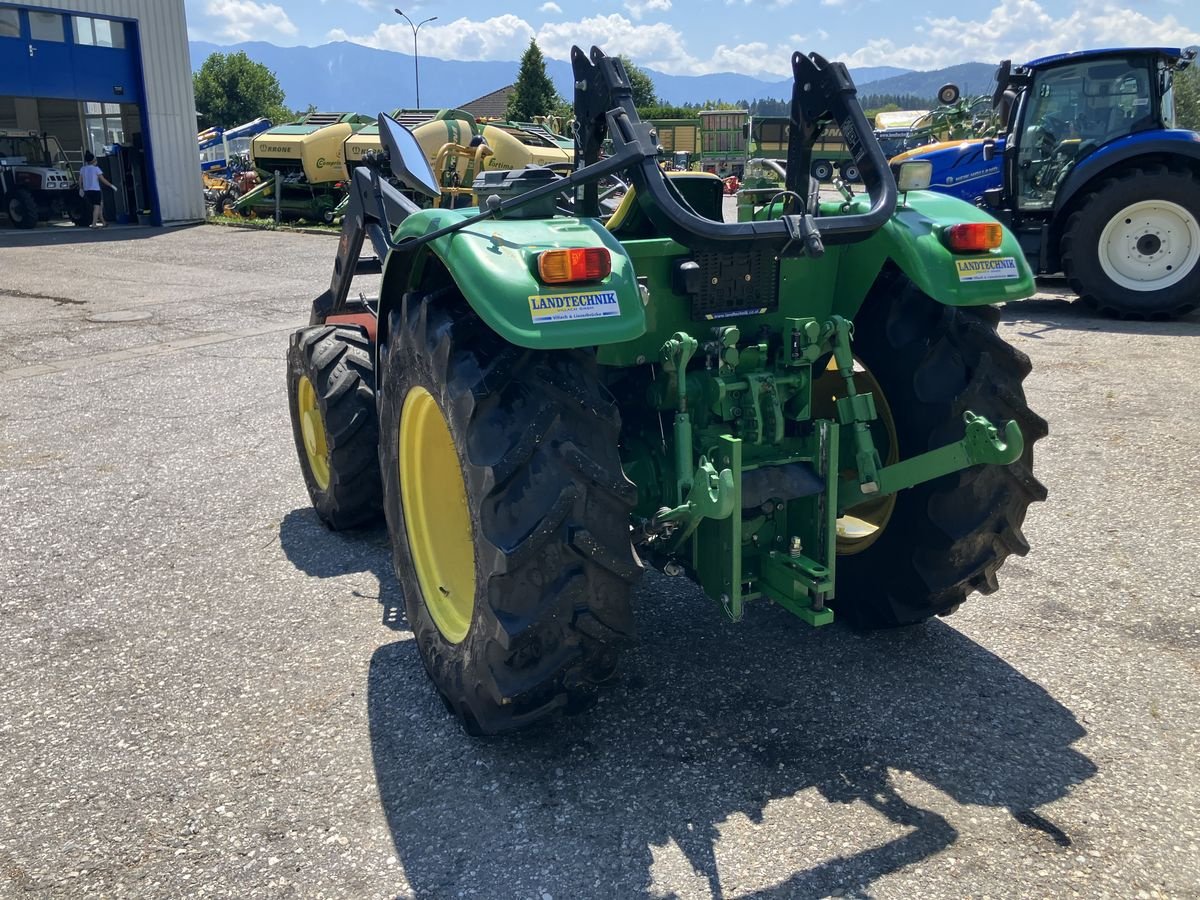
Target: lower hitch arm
{"points": [[982, 444]]}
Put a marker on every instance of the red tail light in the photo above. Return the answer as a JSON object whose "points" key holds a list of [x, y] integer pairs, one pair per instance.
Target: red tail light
{"points": [[579, 264], [971, 237]]}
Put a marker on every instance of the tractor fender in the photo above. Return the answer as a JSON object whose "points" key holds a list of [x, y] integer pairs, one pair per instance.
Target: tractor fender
{"points": [[912, 240], [493, 264], [1160, 144]]}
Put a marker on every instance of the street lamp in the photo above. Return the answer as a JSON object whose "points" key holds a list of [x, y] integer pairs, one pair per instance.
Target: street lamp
{"points": [[415, 29]]}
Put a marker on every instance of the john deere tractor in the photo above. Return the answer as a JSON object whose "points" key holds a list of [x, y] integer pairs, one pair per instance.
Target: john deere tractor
{"points": [[811, 407]]}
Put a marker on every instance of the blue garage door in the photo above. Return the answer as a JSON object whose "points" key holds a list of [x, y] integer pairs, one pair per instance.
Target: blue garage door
{"points": [[68, 57]]}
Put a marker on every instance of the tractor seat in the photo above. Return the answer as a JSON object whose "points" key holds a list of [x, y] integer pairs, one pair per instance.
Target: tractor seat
{"points": [[703, 191]]}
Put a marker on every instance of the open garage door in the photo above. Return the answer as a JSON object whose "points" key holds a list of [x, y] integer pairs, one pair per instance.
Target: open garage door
{"points": [[76, 80]]}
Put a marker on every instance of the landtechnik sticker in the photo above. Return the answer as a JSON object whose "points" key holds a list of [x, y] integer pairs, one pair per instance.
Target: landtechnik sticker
{"points": [[562, 307], [1001, 269]]}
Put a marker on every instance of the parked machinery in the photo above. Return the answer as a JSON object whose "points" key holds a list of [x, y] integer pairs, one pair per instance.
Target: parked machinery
{"points": [[1091, 173], [225, 162], [308, 155]]}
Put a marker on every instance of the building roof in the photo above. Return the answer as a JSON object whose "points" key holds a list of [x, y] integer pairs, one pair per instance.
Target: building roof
{"points": [[490, 106]]}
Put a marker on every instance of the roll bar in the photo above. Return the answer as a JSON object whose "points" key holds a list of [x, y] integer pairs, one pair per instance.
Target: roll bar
{"points": [[822, 92]]}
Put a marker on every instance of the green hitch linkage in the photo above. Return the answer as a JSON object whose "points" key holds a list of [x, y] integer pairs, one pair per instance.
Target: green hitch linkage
{"points": [[981, 445]]}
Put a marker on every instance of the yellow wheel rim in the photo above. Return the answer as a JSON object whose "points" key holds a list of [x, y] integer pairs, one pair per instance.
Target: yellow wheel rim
{"points": [[312, 429], [436, 516], [860, 527]]}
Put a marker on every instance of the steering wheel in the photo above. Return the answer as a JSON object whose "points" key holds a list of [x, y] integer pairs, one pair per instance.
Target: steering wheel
{"points": [[1050, 127]]}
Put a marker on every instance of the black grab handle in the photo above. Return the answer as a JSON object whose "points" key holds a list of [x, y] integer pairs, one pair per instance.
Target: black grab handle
{"points": [[822, 92]]}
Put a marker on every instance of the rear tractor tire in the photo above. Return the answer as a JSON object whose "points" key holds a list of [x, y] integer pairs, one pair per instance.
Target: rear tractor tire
{"points": [[931, 546], [331, 396], [508, 513], [1132, 249]]}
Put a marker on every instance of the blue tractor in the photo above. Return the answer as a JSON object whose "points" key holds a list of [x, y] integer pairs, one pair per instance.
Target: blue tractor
{"points": [[1090, 172]]}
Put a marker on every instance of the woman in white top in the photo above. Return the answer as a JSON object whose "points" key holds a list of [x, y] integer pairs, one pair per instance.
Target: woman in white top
{"points": [[91, 178]]}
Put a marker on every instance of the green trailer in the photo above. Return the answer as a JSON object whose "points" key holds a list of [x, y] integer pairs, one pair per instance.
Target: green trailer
{"points": [[723, 139]]}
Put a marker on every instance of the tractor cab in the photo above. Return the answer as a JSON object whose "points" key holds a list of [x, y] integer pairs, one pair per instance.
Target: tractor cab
{"points": [[1063, 108]]}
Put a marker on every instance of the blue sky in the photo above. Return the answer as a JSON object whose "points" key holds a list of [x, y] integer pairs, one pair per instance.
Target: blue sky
{"points": [[693, 37]]}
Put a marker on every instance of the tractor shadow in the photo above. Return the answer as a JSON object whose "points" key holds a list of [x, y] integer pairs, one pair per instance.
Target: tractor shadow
{"points": [[1056, 308], [710, 723], [315, 550]]}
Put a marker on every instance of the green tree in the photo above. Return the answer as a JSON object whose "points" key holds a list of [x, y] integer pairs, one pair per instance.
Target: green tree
{"points": [[534, 93], [642, 84], [1187, 98], [231, 89]]}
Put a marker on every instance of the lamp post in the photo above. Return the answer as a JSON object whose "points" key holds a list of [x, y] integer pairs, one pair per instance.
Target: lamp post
{"points": [[415, 29]]}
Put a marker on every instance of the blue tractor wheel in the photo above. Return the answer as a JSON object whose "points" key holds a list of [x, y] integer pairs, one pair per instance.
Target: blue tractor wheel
{"points": [[1132, 247]]}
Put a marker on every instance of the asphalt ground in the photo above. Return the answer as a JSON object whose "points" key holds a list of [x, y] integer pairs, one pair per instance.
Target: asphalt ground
{"points": [[205, 693]]}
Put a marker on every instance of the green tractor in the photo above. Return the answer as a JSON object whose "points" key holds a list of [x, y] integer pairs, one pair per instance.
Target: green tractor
{"points": [[811, 407]]}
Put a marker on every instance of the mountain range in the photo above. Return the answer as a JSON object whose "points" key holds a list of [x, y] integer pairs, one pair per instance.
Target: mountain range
{"points": [[346, 77]]}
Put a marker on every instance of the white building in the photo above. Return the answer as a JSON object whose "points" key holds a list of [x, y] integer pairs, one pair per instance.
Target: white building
{"points": [[98, 73]]}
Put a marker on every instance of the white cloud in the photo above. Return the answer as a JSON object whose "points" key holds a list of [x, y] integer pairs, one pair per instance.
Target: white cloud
{"points": [[1022, 30], [550, 7], [658, 45], [638, 8], [502, 37], [245, 19], [1019, 29], [654, 45]]}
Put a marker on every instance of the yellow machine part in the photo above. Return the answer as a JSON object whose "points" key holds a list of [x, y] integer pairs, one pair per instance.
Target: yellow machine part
{"points": [[899, 118], [436, 133], [319, 152], [513, 149], [922, 150], [360, 143]]}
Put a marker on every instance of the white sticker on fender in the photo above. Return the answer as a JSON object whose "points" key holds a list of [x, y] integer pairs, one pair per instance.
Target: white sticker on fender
{"points": [[995, 269], [562, 307]]}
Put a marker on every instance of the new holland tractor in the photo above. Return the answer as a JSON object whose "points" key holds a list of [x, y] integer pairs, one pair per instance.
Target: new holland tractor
{"points": [[812, 407], [1092, 175]]}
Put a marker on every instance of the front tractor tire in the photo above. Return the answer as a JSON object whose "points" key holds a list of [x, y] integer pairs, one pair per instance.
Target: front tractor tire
{"points": [[331, 396], [22, 208], [1132, 249], [942, 540], [508, 513]]}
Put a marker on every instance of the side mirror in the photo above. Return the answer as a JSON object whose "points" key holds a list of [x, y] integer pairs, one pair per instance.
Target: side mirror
{"points": [[1008, 99], [406, 157]]}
